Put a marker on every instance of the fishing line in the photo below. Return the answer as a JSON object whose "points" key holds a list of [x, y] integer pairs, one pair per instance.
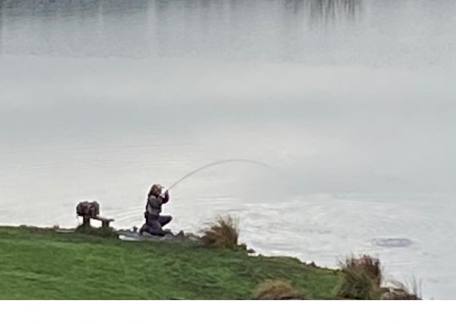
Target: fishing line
{"points": [[214, 164], [206, 166]]}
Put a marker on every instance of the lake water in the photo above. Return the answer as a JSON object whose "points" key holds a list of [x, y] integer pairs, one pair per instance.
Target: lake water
{"points": [[352, 103]]}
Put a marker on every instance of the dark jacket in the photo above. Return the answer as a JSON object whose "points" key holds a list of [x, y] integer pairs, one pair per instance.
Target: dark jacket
{"points": [[154, 206]]}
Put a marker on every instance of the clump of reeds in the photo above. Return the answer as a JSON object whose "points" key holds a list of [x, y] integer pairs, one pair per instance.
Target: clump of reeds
{"points": [[277, 289], [371, 266], [224, 233], [362, 278]]}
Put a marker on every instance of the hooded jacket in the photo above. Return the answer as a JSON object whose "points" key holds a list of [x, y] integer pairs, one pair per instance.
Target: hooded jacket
{"points": [[154, 205]]}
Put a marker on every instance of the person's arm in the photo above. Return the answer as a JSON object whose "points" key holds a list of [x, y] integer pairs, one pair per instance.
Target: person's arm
{"points": [[166, 197]]}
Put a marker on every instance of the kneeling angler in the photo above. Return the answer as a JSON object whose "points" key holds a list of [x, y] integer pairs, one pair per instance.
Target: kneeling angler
{"points": [[154, 221]]}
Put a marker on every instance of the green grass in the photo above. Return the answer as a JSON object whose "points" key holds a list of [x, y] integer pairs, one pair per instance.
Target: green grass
{"points": [[43, 264]]}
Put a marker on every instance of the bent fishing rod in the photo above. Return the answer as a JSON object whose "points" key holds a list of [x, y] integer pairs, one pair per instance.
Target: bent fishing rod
{"points": [[214, 164], [209, 165]]}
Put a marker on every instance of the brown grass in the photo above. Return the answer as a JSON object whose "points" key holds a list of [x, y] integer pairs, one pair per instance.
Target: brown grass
{"points": [[277, 290], [358, 285], [362, 278], [224, 233], [371, 266]]}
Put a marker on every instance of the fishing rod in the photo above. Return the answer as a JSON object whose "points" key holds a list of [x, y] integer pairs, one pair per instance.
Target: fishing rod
{"points": [[206, 166], [214, 164]]}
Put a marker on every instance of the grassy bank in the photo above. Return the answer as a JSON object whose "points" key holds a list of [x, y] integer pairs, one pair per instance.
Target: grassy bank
{"points": [[43, 264]]}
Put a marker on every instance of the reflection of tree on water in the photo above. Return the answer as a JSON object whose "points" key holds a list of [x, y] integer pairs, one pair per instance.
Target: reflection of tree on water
{"points": [[164, 27], [315, 10], [330, 10], [324, 11]]}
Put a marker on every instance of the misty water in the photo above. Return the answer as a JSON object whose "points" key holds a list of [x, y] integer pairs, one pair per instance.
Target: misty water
{"points": [[351, 102]]}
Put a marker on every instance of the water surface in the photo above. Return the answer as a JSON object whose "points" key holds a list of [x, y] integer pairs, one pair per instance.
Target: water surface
{"points": [[351, 101]]}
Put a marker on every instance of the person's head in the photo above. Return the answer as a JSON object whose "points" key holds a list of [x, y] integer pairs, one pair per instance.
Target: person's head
{"points": [[156, 190]]}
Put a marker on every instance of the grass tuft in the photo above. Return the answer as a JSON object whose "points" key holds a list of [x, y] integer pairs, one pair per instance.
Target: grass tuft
{"points": [[224, 233], [277, 290], [362, 278], [371, 266]]}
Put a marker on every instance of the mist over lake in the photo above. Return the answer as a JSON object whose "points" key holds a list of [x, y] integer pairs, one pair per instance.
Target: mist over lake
{"points": [[351, 102]]}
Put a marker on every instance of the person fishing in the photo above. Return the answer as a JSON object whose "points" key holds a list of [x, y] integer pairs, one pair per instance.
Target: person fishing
{"points": [[154, 221]]}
